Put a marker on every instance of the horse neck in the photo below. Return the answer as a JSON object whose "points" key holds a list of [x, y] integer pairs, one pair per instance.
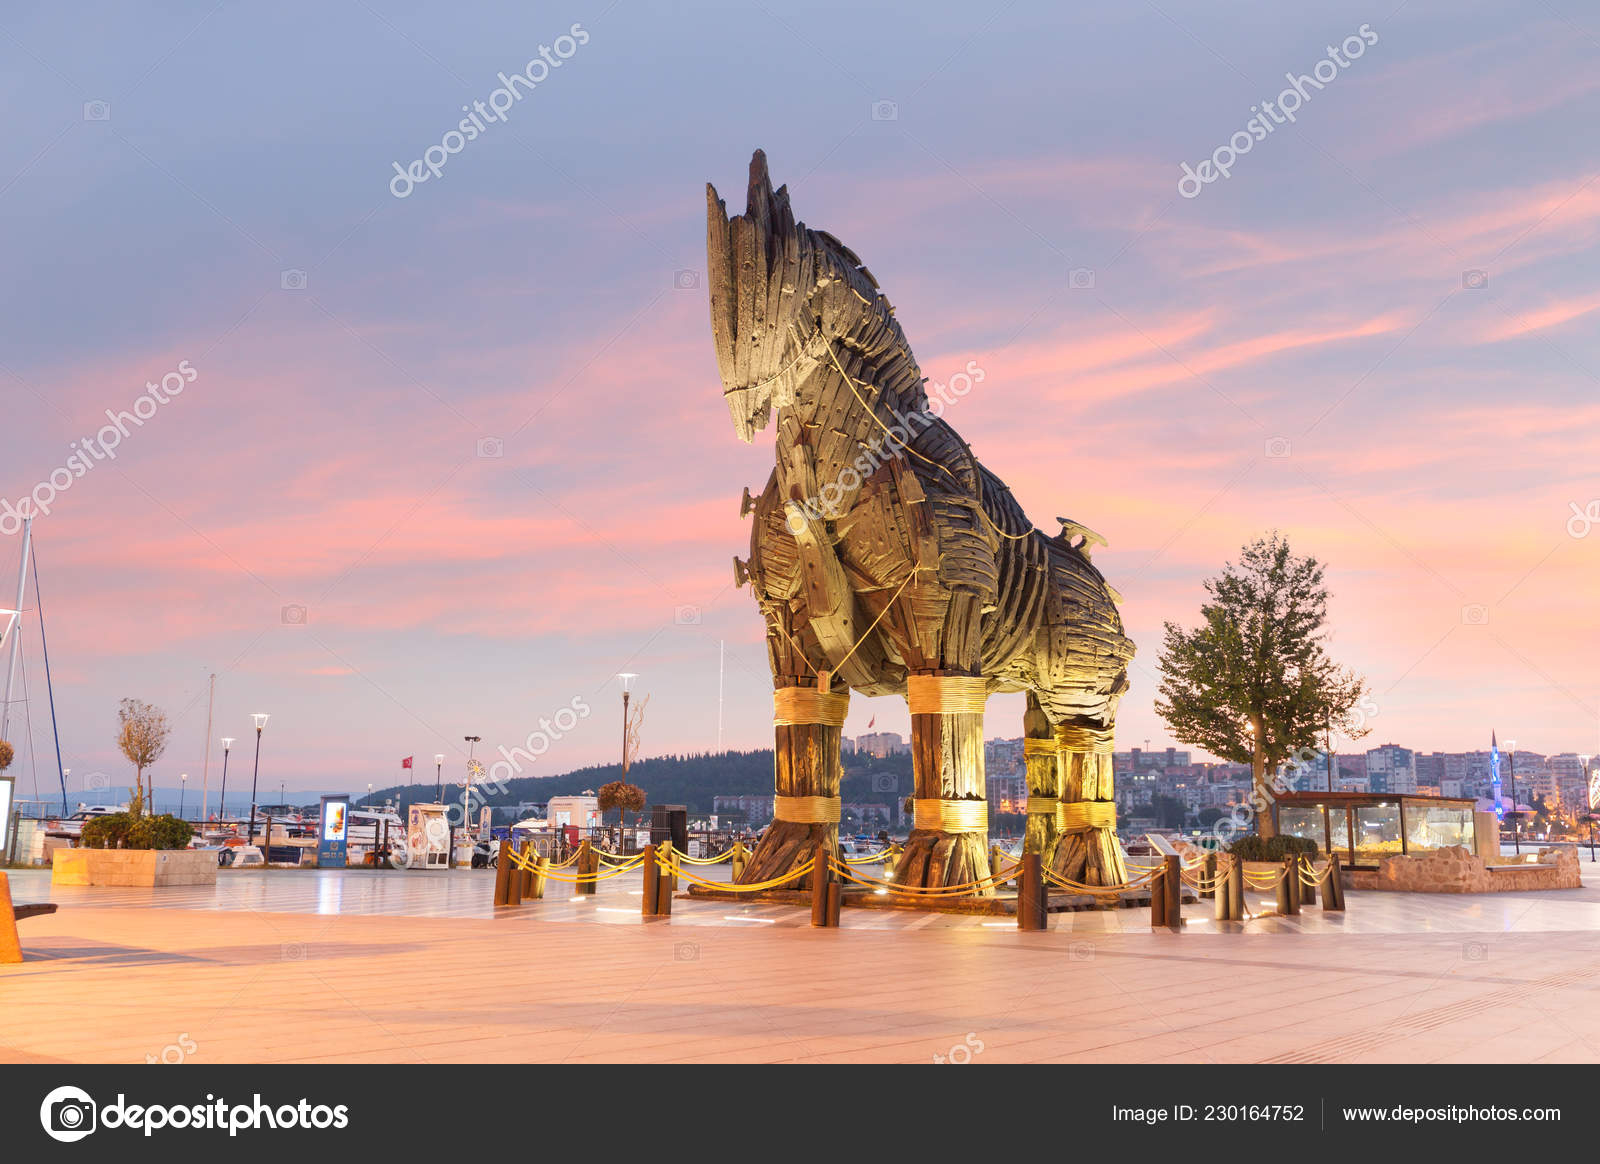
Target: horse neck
{"points": [[865, 381]]}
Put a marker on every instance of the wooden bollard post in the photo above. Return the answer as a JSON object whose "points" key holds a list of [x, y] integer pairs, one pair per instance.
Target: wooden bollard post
{"points": [[1220, 907], [502, 882], [737, 862], [652, 882], [1236, 889], [889, 860], [1033, 910], [819, 887], [507, 858], [1308, 888], [1209, 876], [1333, 885], [1289, 889], [1158, 899], [536, 877], [529, 858], [1172, 882], [587, 864]]}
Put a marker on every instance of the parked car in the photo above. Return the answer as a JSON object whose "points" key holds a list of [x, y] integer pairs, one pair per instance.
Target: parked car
{"points": [[70, 828]]}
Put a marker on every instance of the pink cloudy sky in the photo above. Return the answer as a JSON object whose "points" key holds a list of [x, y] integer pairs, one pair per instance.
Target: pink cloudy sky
{"points": [[1437, 434]]}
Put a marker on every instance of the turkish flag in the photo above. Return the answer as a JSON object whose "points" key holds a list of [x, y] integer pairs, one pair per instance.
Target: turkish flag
{"points": [[870, 722], [406, 763]]}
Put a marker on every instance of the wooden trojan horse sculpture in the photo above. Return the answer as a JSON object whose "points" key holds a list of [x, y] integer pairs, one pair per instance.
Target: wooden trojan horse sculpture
{"points": [[887, 560]]}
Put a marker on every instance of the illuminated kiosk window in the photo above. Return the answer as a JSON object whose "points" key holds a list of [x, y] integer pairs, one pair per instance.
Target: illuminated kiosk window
{"points": [[1365, 827]]}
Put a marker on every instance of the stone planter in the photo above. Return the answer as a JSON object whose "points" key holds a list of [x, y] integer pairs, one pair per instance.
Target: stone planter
{"points": [[133, 867]]}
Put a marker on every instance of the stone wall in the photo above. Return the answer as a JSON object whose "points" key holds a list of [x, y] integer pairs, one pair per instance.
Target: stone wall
{"points": [[1458, 870], [133, 867]]}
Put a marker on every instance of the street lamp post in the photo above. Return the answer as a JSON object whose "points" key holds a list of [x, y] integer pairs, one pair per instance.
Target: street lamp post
{"points": [[466, 789], [368, 801], [183, 786], [627, 678], [438, 778], [1516, 815], [261, 718], [227, 746]]}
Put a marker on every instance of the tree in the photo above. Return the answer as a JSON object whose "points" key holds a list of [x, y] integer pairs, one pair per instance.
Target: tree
{"points": [[7, 754], [622, 796], [1169, 811], [142, 738], [1253, 683]]}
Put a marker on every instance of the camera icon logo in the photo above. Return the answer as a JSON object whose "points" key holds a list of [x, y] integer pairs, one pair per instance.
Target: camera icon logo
{"points": [[885, 782], [1081, 278], [97, 111], [686, 952], [1475, 952], [98, 780], [686, 616], [1277, 448], [1474, 280], [293, 615], [68, 1114], [885, 111], [491, 448], [294, 279], [686, 280], [1081, 952], [1475, 614], [293, 952]]}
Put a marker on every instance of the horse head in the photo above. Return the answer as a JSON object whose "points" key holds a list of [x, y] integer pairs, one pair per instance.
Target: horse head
{"points": [[779, 294]]}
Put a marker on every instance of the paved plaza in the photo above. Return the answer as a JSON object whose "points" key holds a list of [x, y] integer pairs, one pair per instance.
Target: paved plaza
{"points": [[291, 966]]}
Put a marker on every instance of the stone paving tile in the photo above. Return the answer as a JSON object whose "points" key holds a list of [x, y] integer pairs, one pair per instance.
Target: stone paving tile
{"points": [[359, 966]]}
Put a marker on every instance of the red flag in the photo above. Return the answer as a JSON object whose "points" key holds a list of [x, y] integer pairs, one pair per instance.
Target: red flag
{"points": [[870, 722], [406, 763]]}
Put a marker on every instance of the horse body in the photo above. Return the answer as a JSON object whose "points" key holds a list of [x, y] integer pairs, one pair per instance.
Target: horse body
{"points": [[883, 552]]}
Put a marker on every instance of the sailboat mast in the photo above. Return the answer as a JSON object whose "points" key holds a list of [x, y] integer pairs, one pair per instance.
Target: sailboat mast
{"points": [[16, 623], [49, 685]]}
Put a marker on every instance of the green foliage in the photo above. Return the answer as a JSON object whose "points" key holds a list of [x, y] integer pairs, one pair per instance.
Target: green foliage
{"points": [[106, 832], [1169, 811], [1253, 683], [123, 830], [1259, 848]]}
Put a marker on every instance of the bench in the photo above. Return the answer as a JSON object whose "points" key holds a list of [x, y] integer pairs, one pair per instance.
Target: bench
{"points": [[10, 915]]}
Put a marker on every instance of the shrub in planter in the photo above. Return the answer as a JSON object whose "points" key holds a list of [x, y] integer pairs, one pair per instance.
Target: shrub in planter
{"points": [[1259, 848], [121, 830]]}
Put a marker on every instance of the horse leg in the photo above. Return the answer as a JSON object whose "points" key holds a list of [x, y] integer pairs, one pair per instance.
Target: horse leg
{"points": [[1042, 759], [808, 727], [1087, 850], [949, 842]]}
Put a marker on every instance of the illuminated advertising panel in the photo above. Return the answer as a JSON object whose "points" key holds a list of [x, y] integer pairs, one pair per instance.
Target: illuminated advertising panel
{"points": [[332, 832]]}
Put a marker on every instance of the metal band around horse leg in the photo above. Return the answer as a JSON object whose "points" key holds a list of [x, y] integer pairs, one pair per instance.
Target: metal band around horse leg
{"points": [[946, 694], [805, 705], [806, 809], [951, 816]]}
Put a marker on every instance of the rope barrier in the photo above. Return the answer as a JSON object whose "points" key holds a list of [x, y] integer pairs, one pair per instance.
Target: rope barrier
{"points": [[664, 859]]}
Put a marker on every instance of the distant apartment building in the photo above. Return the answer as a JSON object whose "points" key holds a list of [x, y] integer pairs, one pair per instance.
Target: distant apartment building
{"points": [[1391, 768], [757, 810], [1003, 757], [881, 744], [1007, 794]]}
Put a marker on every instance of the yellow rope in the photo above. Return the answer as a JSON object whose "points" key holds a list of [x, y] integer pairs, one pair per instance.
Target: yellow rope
{"points": [[1091, 814], [665, 861], [807, 705], [806, 809], [1072, 737], [946, 694], [951, 816]]}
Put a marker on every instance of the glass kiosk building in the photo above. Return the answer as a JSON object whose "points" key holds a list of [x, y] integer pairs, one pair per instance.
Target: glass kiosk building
{"points": [[1363, 827]]}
